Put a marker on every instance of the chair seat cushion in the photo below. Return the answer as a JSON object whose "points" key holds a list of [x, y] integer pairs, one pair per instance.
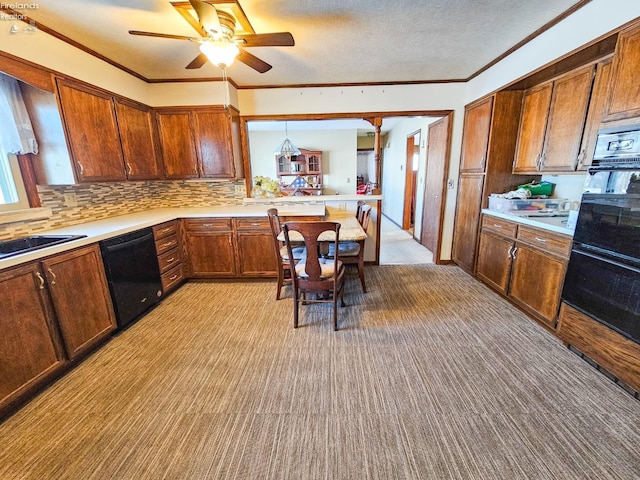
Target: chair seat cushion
{"points": [[327, 268], [298, 253], [345, 249]]}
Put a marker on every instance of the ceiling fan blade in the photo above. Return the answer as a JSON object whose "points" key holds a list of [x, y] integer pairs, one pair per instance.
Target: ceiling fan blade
{"points": [[279, 39], [197, 62], [207, 16], [162, 35], [253, 62]]}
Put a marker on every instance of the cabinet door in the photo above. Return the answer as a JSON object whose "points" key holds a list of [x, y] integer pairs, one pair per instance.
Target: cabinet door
{"points": [[29, 346], [594, 114], [565, 124], [92, 131], [256, 256], [536, 282], [213, 136], [465, 233], [494, 260], [533, 122], [135, 124], [210, 254], [81, 298], [475, 138], [178, 145], [624, 94]]}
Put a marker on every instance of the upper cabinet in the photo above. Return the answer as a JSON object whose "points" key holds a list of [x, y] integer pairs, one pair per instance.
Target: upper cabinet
{"points": [[624, 90], [552, 122], [200, 142], [90, 123], [136, 127], [475, 141], [109, 138]]}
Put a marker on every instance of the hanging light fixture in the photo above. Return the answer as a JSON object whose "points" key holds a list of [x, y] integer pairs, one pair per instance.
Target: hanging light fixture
{"points": [[221, 53], [286, 148]]}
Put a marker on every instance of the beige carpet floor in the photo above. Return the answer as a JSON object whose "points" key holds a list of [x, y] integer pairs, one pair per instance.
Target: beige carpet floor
{"points": [[398, 247], [432, 376]]}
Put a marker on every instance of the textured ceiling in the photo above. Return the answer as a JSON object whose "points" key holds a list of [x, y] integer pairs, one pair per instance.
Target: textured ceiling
{"points": [[337, 41]]}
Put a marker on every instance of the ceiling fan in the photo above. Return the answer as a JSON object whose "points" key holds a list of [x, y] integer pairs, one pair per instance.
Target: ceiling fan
{"points": [[218, 41]]}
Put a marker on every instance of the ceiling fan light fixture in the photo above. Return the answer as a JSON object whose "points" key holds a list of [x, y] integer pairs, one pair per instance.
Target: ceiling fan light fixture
{"points": [[220, 53]]}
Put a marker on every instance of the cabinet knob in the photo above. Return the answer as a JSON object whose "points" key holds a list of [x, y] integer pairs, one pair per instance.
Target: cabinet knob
{"points": [[129, 169], [541, 240]]}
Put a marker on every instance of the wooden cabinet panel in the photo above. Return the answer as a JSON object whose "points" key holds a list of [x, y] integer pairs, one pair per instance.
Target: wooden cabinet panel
{"points": [[500, 226], [475, 139], [467, 219], [548, 241], [169, 259], [595, 113], [92, 132], [167, 238], [617, 354], [172, 278], [256, 256], [213, 136], [624, 94], [494, 260], [567, 115], [30, 349], [210, 254], [536, 282], [178, 145], [136, 127], [535, 108], [81, 298]]}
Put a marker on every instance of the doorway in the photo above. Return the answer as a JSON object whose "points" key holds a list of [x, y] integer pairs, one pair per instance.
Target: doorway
{"points": [[411, 175]]}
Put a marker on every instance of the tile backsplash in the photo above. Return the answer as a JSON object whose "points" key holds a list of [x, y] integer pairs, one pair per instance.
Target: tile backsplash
{"points": [[102, 200]]}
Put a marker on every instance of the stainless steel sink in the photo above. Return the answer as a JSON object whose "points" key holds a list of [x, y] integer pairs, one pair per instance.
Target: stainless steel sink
{"points": [[17, 246]]}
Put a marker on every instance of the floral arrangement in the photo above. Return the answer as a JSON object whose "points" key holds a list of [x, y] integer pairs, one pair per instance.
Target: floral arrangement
{"points": [[265, 187]]}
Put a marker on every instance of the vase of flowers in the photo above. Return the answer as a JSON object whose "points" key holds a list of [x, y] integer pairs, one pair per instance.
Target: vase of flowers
{"points": [[265, 187]]}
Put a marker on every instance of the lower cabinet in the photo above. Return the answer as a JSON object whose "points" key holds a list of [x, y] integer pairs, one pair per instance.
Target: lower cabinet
{"points": [[226, 247], [524, 263], [52, 312], [209, 247], [169, 253]]}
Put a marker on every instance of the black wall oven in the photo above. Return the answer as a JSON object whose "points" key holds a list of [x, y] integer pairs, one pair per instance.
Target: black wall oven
{"points": [[603, 275]]}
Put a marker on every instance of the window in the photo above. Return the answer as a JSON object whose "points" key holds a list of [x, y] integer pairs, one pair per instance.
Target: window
{"points": [[16, 137]]}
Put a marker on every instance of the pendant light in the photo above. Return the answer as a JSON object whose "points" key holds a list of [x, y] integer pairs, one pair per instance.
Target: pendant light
{"points": [[286, 148]]}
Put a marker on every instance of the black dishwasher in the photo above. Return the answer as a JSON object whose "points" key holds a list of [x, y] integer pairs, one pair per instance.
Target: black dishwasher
{"points": [[131, 265]]}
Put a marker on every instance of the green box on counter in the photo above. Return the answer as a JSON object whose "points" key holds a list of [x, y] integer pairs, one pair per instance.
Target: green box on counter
{"points": [[539, 188]]}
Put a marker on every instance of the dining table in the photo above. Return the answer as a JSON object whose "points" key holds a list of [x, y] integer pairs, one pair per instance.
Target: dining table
{"points": [[350, 230]]}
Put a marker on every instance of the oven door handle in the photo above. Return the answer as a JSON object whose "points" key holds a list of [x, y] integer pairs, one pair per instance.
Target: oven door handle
{"points": [[607, 260]]}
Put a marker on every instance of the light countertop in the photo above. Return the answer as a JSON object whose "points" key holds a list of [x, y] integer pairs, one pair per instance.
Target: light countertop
{"points": [[98, 230], [311, 199], [556, 224]]}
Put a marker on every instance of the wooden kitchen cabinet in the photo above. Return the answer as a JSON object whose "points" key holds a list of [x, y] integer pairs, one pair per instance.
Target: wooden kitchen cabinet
{"points": [[524, 263], [91, 127], [552, 123], [177, 144], [624, 92], [595, 114], [136, 129], [31, 351], [200, 142], [81, 299], [167, 238], [489, 138], [255, 254], [209, 247]]}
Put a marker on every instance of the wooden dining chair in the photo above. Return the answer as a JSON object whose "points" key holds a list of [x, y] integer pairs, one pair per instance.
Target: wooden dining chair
{"points": [[282, 255], [315, 276], [352, 253]]}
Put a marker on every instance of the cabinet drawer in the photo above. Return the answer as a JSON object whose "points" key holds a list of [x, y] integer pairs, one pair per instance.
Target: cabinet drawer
{"points": [[171, 278], [252, 223], [547, 241], [165, 229], [167, 243], [169, 259], [207, 224], [495, 224]]}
